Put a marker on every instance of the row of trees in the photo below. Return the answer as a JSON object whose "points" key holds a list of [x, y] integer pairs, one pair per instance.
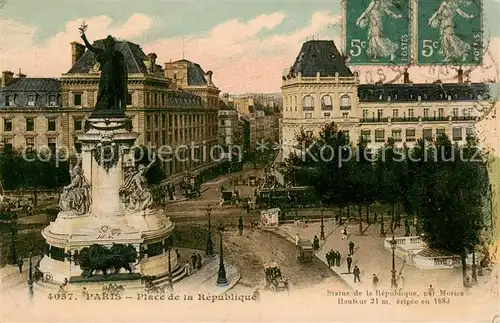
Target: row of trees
{"points": [[442, 184]]}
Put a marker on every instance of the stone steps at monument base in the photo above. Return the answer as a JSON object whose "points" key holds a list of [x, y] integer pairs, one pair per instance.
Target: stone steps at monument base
{"points": [[177, 274]]}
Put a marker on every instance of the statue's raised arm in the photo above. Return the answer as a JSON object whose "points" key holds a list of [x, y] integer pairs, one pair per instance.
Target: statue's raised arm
{"points": [[93, 49]]}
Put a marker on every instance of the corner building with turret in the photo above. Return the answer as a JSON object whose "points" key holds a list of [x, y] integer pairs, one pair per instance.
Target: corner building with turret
{"points": [[319, 88]]}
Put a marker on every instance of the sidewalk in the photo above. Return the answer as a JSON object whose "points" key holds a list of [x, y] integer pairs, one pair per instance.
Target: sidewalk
{"points": [[371, 258]]}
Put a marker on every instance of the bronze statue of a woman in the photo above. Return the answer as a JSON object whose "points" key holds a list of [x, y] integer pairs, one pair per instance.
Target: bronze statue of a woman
{"points": [[113, 93]]}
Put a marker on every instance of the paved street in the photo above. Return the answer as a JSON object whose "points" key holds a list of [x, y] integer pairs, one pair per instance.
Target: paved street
{"points": [[371, 257]]}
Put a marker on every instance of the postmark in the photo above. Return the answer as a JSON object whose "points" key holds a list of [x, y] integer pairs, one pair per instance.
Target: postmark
{"points": [[378, 32], [449, 32]]}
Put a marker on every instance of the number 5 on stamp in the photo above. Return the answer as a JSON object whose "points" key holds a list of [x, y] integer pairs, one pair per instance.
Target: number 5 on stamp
{"points": [[449, 32], [378, 32]]}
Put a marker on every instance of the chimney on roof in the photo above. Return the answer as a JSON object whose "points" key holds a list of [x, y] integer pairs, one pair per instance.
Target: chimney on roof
{"points": [[7, 78], [209, 75], [151, 62], [460, 76], [406, 77], [77, 51], [21, 75]]}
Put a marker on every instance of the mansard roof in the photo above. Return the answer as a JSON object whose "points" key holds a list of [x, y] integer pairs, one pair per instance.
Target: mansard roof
{"points": [[177, 98], [134, 57], [195, 74], [33, 84], [320, 56], [423, 91]]}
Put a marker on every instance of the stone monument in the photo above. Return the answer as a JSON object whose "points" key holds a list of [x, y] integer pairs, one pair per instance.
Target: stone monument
{"points": [[108, 209]]}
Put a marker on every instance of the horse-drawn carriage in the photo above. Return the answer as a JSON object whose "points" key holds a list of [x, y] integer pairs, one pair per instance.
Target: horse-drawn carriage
{"points": [[274, 279], [305, 251]]}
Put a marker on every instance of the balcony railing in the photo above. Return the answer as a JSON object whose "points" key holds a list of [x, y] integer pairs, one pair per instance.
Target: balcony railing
{"points": [[368, 120], [435, 118], [462, 118], [404, 119], [345, 107]]}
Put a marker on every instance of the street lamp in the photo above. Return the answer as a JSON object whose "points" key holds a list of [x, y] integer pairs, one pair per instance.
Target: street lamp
{"points": [[210, 246], [12, 251], [322, 233], [30, 278], [170, 282], [221, 278], [474, 273], [394, 283]]}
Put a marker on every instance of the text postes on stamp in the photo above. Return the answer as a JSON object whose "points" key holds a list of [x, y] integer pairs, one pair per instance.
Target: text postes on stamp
{"points": [[449, 32], [378, 32]]}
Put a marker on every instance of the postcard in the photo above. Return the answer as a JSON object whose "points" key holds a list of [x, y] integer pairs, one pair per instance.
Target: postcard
{"points": [[235, 161]]}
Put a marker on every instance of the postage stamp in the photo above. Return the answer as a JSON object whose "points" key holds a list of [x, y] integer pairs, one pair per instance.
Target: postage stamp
{"points": [[450, 32], [378, 32]]}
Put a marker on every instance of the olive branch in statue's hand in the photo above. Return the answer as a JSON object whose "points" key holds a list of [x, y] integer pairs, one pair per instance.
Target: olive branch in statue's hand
{"points": [[83, 28]]}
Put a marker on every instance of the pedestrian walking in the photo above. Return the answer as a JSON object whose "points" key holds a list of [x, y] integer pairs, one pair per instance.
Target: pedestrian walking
{"points": [[194, 260], [334, 258], [356, 273], [344, 233], [338, 259], [401, 281], [328, 258], [375, 217], [375, 281], [315, 243], [297, 239], [351, 248], [187, 268], [20, 264], [198, 261], [349, 263]]}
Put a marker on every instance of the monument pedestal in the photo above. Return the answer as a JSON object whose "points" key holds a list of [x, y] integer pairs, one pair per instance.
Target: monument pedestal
{"points": [[106, 153]]}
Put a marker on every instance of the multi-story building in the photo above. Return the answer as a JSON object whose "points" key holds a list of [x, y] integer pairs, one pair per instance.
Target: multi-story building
{"points": [[161, 116], [29, 111], [319, 88], [191, 77]]}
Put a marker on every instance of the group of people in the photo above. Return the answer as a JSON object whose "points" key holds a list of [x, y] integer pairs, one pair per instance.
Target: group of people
{"points": [[333, 258], [195, 263]]}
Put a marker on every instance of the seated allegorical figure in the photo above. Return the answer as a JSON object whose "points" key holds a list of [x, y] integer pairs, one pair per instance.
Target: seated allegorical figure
{"points": [[135, 191], [76, 196]]}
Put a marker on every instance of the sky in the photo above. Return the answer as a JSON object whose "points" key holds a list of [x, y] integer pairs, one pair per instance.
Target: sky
{"points": [[247, 44]]}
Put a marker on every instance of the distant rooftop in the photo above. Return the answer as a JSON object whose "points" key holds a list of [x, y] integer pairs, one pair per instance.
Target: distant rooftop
{"points": [[33, 84], [320, 56], [134, 58]]}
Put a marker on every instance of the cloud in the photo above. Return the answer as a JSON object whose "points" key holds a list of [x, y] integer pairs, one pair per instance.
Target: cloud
{"points": [[245, 56]]}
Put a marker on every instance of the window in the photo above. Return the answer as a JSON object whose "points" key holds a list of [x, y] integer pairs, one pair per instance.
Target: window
{"points": [[309, 133], [30, 124], [366, 134], [148, 122], [163, 120], [326, 103], [31, 100], [7, 145], [426, 113], [77, 99], [379, 135], [327, 114], [7, 100], [346, 134], [457, 133], [345, 115], [52, 100], [148, 138], [7, 125], [30, 144], [441, 112], [440, 132], [469, 132], [52, 145], [308, 103], [455, 112], [308, 115], [410, 134], [77, 123], [427, 133], [51, 124], [148, 98], [170, 120], [163, 99], [469, 111], [129, 98], [395, 113], [345, 102], [411, 113], [380, 113], [365, 113], [396, 135], [156, 120]]}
